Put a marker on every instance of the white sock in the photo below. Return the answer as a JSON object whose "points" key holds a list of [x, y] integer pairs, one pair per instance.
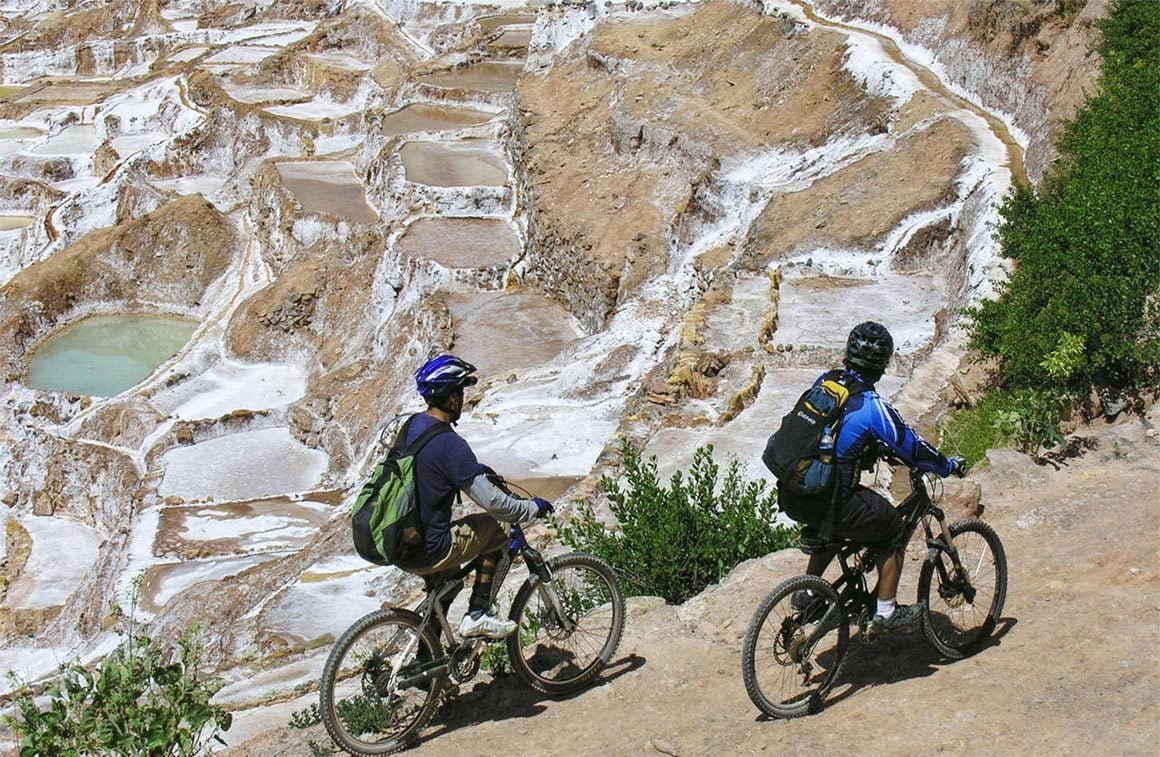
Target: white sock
{"points": [[886, 607]]}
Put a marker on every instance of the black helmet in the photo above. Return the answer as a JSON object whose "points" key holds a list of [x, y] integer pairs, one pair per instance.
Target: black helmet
{"points": [[869, 348]]}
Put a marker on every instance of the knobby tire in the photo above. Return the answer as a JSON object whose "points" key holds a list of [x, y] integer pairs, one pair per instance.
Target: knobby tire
{"points": [[956, 624], [791, 658], [363, 713], [557, 657]]}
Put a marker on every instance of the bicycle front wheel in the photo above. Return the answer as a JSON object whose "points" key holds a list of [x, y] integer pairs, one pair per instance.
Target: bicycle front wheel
{"points": [[381, 683], [555, 653], [963, 608], [794, 647]]}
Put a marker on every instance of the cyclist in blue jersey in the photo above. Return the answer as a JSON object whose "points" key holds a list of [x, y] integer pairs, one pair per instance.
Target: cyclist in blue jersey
{"points": [[444, 467], [869, 426]]}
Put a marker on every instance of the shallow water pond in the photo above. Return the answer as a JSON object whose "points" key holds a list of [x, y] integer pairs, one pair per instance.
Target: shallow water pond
{"points": [[486, 76], [12, 223], [104, 355], [461, 242], [453, 164], [430, 117]]}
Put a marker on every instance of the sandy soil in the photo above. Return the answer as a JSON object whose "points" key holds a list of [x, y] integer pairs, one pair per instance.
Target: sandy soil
{"points": [[1072, 668]]}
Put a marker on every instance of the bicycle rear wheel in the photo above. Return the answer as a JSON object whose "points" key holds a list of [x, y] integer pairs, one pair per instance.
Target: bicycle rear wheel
{"points": [[381, 683], [792, 656], [558, 655], [964, 608]]}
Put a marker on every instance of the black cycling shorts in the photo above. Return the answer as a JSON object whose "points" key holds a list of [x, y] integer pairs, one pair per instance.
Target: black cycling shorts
{"points": [[866, 518]]}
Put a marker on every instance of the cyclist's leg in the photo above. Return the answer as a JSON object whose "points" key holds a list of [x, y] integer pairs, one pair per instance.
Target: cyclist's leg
{"points": [[868, 518]]}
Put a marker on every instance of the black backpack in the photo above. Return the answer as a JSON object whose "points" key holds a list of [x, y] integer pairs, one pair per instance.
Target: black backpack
{"points": [[801, 452], [385, 520]]}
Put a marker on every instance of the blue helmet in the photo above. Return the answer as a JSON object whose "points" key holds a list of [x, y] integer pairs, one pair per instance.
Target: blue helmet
{"points": [[442, 375]]}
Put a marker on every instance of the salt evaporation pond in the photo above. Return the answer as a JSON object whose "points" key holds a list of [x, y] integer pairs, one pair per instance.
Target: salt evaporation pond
{"points": [[485, 76], [165, 581], [329, 187], [12, 223], [430, 117], [453, 164], [9, 91], [103, 355], [80, 139], [461, 242], [18, 132], [265, 525], [489, 24], [230, 386], [248, 465], [325, 600], [504, 331], [64, 549]]}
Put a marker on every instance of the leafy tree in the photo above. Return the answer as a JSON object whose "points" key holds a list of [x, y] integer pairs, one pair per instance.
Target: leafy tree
{"points": [[1075, 313]]}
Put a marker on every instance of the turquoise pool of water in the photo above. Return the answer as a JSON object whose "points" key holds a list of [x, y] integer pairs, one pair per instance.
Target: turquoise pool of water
{"points": [[104, 355]]}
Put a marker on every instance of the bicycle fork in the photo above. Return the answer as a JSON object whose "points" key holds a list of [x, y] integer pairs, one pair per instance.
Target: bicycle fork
{"points": [[961, 579]]}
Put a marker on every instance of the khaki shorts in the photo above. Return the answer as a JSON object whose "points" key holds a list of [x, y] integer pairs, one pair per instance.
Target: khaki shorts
{"points": [[474, 535]]}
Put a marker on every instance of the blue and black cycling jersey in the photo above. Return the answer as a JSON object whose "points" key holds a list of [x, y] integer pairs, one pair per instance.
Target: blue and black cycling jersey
{"points": [[870, 424]]}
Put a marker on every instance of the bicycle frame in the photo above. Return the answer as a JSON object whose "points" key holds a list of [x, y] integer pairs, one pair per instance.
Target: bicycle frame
{"points": [[432, 606], [856, 561]]}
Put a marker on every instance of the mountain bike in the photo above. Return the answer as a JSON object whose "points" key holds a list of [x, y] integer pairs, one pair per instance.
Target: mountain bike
{"points": [[388, 672], [797, 639]]}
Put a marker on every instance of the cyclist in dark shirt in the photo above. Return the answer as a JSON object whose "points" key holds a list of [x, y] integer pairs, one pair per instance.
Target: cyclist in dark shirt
{"points": [[869, 426], [443, 468]]}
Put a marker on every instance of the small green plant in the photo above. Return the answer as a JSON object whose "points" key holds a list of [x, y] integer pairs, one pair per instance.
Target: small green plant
{"points": [[140, 699], [674, 541], [307, 717], [1026, 419]]}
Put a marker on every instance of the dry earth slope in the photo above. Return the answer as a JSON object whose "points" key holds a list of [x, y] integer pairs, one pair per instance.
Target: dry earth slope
{"points": [[1072, 668]]}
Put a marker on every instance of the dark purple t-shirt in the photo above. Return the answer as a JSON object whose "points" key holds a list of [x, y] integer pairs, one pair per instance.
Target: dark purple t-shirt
{"points": [[443, 467]]}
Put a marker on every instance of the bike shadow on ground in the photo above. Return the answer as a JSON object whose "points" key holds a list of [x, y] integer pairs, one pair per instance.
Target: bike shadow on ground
{"points": [[899, 657], [507, 698]]}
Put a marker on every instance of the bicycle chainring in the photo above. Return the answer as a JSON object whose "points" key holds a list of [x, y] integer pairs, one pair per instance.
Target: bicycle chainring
{"points": [[464, 663]]}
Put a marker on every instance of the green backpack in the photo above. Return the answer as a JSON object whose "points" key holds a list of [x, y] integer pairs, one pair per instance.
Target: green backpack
{"points": [[385, 519]]}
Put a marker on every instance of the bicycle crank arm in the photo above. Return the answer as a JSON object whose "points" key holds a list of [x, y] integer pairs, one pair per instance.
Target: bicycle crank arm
{"points": [[432, 670]]}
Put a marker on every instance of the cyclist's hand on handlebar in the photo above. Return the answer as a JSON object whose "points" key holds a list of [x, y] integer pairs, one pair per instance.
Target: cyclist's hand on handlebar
{"points": [[543, 507], [958, 466]]}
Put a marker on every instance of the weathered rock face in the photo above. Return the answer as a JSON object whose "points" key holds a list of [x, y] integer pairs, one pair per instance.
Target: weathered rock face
{"points": [[619, 138], [1033, 61]]}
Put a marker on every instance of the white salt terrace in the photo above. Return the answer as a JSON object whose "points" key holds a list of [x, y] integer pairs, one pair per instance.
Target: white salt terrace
{"points": [[314, 110], [432, 117], [906, 303], [240, 54], [230, 386], [486, 76], [454, 164], [164, 581], [80, 139], [499, 331], [461, 242], [267, 525], [15, 223], [64, 549], [329, 187], [326, 599], [242, 466], [258, 95], [338, 61]]}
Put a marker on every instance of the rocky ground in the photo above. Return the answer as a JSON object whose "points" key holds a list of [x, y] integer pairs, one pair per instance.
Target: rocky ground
{"points": [[1071, 669]]}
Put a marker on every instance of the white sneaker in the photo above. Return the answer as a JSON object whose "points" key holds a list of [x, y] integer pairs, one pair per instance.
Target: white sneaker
{"points": [[487, 626]]}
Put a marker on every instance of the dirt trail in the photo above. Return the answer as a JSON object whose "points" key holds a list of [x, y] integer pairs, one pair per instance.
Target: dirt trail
{"points": [[1072, 669]]}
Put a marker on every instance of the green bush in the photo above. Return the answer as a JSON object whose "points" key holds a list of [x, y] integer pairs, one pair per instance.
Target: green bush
{"points": [[674, 541], [1074, 312], [138, 701], [1026, 419]]}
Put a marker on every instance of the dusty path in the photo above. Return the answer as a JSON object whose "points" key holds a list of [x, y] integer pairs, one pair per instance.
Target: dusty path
{"points": [[1072, 670]]}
